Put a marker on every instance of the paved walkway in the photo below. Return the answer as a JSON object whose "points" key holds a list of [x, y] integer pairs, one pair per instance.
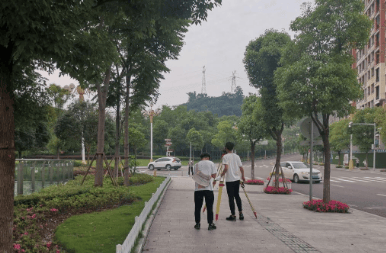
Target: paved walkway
{"points": [[283, 225]]}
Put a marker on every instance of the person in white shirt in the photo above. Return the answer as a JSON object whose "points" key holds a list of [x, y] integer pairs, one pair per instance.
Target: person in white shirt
{"points": [[232, 165], [206, 167]]}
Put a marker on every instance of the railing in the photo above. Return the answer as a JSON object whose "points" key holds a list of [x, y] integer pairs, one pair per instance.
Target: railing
{"points": [[34, 174], [129, 242]]}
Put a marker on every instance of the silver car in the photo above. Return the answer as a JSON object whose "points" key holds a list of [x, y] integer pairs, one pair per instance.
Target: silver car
{"points": [[299, 171], [168, 163]]}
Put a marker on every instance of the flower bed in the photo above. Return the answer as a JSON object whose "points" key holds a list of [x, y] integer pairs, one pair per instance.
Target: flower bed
{"points": [[254, 181], [332, 206], [279, 190]]}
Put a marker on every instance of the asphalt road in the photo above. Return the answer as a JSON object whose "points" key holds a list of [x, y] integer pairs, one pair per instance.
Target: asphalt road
{"points": [[363, 190]]}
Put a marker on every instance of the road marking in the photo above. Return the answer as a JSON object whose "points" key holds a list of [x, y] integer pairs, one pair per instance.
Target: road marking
{"points": [[337, 185], [383, 195], [344, 180]]}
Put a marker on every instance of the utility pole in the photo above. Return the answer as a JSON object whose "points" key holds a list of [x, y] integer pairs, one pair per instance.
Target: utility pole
{"points": [[203, 88]]}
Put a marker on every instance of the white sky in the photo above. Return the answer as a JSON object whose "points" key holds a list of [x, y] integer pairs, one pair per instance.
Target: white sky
{"points": [[219, 45]]}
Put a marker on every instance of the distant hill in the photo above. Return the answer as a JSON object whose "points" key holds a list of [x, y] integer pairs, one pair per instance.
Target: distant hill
{"points": [[225, 105]]}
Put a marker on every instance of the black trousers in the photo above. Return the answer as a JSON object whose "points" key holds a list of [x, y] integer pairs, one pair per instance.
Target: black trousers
{"points": [[233, 193], [198, 201], [190, 169]]}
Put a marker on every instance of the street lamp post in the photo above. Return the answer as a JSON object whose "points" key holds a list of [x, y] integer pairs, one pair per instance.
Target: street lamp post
{"points": [[366, 124], [151, 113]]}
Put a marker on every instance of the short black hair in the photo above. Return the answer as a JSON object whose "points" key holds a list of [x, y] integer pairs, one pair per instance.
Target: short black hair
{"points": [[204, 155], [229, 146]]}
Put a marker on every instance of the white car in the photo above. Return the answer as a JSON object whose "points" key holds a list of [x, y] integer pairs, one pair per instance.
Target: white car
{"points": [[298, 171], [168, 163]]}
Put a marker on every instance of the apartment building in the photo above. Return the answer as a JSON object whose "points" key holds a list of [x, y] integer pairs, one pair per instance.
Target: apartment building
{"points": [[370, 61]]}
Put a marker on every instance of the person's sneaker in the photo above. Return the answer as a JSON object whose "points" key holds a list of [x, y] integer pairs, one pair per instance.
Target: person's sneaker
{"points": [[231, 218], [197, 226], [241, 216], [212, 226]]}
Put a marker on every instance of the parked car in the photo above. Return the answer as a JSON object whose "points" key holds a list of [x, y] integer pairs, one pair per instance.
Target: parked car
{"points": [[168, 163], [299, 171]]}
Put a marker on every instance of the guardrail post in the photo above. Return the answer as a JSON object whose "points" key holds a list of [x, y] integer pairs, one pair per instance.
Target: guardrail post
{"points": [[62, 164], [50, 172], [33, 177], [20, 179], [118, 248], [43, 168]]}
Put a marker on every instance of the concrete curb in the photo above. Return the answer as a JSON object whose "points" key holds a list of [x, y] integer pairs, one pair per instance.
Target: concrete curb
{"points": [[149, 222]]}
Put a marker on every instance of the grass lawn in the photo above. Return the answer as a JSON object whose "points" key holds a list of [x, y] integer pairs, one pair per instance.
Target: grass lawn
{"points": [[102, 231]]}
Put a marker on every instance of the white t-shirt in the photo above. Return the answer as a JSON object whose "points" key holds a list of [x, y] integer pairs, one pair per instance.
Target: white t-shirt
{"points": [[234, 163], [208, 168]]}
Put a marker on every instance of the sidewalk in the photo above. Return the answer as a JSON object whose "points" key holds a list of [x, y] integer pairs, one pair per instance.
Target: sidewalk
{"points": [[283, 225]]}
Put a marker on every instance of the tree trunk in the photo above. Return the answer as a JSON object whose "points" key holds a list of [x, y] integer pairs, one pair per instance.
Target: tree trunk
{"points": [[339, 158], [57, 153], [278, 155], [117, 137], [102, 96], [327, 174], [7, 167], [126, 141], [252, 160]]}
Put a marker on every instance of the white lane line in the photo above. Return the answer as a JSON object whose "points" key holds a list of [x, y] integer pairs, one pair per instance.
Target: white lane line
{"points": [[383, 195], [333, 181], [340, 179], [337, 185], [374, 179], [355, 178]]}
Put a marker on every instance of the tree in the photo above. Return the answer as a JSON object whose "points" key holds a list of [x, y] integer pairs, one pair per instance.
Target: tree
{"points": [[261, 59], [227, 132], [339, 136], [251, 125], [316, 79], [137, 140], [195, 138], [363, 135]]}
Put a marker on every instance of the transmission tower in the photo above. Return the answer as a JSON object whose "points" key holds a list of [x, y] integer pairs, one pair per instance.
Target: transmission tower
{"points": [[233, 87], [203, 88]]}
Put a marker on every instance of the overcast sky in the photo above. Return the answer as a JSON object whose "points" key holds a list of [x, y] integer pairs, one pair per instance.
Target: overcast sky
{"points": [[219, 45]]}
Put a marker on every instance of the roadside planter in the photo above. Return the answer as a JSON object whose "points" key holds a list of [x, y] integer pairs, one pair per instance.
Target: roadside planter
{"points": [[332, 206], [279, 190], [254, 181], [272, 182]]}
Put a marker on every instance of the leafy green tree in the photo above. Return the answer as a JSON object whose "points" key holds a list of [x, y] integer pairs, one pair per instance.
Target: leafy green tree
{"points": [[251, 125], [317, 77], [339, 136], [195, 138], [363, 135], [227, 132], [262, 58]]}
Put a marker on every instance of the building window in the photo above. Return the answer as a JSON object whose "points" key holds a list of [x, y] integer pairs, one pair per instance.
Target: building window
{"points": [[377, 75], [377, 58], [368, 91], [372, 72], [372, 88], [377, 92]]}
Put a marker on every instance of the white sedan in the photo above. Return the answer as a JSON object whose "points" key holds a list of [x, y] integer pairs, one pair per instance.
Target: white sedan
{"points": [[168, 163], [298, 171]]}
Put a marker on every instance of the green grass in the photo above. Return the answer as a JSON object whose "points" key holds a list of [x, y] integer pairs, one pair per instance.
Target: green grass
{"points": [[102, 231]]}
